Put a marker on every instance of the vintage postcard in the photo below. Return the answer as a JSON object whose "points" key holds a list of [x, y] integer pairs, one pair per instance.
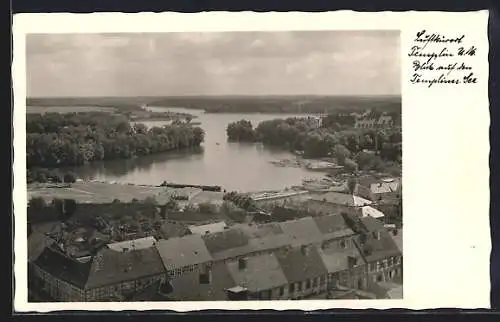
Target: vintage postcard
{"points": [[251, 161]]}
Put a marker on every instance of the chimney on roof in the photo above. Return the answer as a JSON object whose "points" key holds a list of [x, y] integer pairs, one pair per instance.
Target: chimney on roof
{"points": [[242, 263]]}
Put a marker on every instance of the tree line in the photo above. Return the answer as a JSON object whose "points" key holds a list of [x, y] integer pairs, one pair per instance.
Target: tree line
{"points": [[354, 148], [56, 140]]}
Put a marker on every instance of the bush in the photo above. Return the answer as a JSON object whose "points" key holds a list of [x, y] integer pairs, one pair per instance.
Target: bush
{"points": [[207, 207], [69, 177]]}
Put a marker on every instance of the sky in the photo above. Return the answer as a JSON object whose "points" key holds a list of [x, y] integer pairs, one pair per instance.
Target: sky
{"points": [[224, 63]]}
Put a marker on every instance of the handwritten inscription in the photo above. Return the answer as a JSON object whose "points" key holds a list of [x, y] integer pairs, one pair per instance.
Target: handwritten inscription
{"points": [[440, 59]]}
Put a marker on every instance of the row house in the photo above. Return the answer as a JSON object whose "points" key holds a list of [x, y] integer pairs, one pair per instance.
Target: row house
{"points": [[382, 255], [109, 275], [185, 254], [382, 121]]}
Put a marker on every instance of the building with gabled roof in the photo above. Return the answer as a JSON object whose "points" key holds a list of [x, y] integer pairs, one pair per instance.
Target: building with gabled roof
{"points": [[260, 275], [183, 254], [301, 231], [381, 253], [225, 240], [37, 242], [304, 270], [108, 275], [210, 285]]}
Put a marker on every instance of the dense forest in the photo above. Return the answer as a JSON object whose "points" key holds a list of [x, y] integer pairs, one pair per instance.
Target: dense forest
{"points": [[282, 104], [366, 149], [55, 140]]}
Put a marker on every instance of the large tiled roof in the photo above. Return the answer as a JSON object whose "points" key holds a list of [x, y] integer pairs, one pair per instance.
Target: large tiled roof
{"points": [[62, 267], [330, 223], [344, 199], [225, 240], [37, 242], [111, 267], [376, 249], [183, 251], [298, 265], [261, 272], [302, 231], [320, 206]]}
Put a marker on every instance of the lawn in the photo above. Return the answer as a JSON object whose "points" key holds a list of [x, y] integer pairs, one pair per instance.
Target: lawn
{"points": [[95, 192]]}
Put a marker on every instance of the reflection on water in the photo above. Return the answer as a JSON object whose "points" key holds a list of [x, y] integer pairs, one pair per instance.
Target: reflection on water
{"points": [[235, 166]]}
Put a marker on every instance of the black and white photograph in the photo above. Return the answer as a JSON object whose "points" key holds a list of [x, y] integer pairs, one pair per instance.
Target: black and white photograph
{"points": [[214, 166]]}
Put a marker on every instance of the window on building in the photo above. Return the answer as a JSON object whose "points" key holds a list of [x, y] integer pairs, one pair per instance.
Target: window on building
{"points": [[321, 280], [299, 286], [282, 291], [342, 244], [379, 278], [315, 282], [291, 288], [308, 284]]}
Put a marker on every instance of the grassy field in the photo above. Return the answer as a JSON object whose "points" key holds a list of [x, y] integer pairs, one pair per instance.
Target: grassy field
{"points": [[94, 192]]}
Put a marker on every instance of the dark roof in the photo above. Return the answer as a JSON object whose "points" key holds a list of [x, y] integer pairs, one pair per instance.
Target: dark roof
{"points": [[48, 227], [298, 265], [339, 198], [111, 267], [376, 249], [301, 231], [187, 287], [183, 251], [331, 223], [225, 240], [261, 273], [62, 267], [320, 206], [336, 259], [37, 242]]}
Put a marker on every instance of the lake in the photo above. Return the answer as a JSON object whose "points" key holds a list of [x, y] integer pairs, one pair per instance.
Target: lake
{"points": [[234, 166]]}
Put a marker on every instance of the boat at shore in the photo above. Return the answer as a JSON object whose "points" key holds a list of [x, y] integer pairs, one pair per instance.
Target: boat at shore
{"points": [[322, 166], [287, 163]]}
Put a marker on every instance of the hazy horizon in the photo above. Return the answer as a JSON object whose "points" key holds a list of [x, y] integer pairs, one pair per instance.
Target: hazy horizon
{"points": [[301, 63]]}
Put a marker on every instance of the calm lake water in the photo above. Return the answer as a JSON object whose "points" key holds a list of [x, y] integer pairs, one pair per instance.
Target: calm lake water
{"points": [[234, 166]]}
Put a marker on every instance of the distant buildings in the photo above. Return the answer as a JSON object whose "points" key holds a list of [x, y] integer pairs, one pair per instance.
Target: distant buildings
{"points": [[308, 257], [370, 121]]}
